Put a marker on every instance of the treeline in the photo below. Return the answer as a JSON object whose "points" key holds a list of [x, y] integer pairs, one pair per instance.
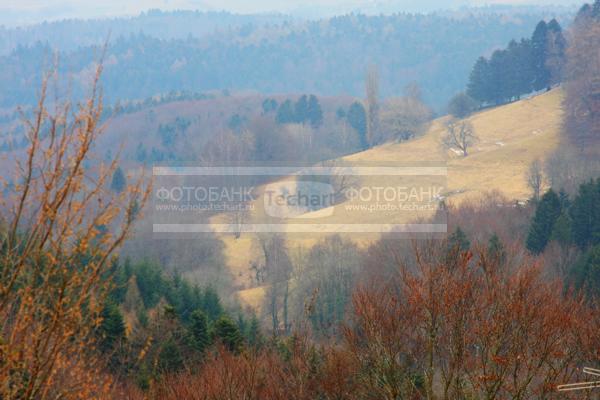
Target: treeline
{"points": [[327, 57], [305, 110], [523, 67], [177, 24]]}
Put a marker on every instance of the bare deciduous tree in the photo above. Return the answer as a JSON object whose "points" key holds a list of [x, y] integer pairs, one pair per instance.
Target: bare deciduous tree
{"points": [[372, 102], [460, 135], [58, 232], [278, 268], [403, 118], [535, 178]]}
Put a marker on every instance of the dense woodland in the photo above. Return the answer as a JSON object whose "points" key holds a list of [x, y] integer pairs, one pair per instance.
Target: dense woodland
{"points": [[505, 307], [523, 67]]}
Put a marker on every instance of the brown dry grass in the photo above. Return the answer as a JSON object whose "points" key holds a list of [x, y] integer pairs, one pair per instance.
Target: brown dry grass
{"points": [[510, 138]]}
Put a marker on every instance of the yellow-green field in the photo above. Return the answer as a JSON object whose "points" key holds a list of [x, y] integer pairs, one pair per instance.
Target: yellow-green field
{"points": [[510, 138]]}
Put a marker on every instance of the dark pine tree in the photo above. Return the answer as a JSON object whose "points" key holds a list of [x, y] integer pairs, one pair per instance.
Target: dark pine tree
{"points": [[228, 333], [118, 181], [562, 229], [211, 304], [112, 328], [199, 330], [539, 56], [479, 81], [458, 241], [585, 215], [557, 52], [546, 214], [586, 273], [357, 118], [269, 105], [254, 336], [523, 70], [285, 113], [500, 75], [301, 110], [315, 113], [170, 358]]}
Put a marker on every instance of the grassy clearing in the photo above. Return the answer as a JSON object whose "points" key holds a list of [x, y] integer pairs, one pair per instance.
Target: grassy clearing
{"points": [[510, 137]]}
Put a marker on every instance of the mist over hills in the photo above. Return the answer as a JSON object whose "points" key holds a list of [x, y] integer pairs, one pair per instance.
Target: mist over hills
{"points": [[161, 52]]}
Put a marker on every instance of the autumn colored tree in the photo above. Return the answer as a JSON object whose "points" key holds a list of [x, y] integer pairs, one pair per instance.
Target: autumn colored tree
{"points": [[473, 328], [60, 226], [582, 105]]}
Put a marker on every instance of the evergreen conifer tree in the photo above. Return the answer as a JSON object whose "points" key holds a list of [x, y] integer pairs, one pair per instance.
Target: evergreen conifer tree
{"points": [[254, 335], [199, 330], [118, 181], [286, 113], [301, 110], [458, 241], [479, 81], [546, 214], [585, 215], [211, 303], [170, 358], [112, 327], [357, 118], [586, 272], [228, 332], [539, 54]]}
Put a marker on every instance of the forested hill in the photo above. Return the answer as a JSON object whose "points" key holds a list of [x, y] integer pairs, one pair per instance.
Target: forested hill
{"points": [[326, 57]]}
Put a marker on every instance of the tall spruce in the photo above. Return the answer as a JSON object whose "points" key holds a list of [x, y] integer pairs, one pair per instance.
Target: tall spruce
{"points": [[479, 81], [211, 303], [539, 54], [112, 328], [585, 215], [301, 110], [546, 214], [253, 335], [228, 333], [119, 181], [586, 272], [199, 330], [170, 358], [286, 113], [556, 52], [458, 241]]}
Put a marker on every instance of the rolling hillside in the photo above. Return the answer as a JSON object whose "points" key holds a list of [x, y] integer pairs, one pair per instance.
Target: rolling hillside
{"points": [[509, 139]]}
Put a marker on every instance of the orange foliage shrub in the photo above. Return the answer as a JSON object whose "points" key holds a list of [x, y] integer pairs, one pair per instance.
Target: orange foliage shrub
{"points": [[58, 232]]}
